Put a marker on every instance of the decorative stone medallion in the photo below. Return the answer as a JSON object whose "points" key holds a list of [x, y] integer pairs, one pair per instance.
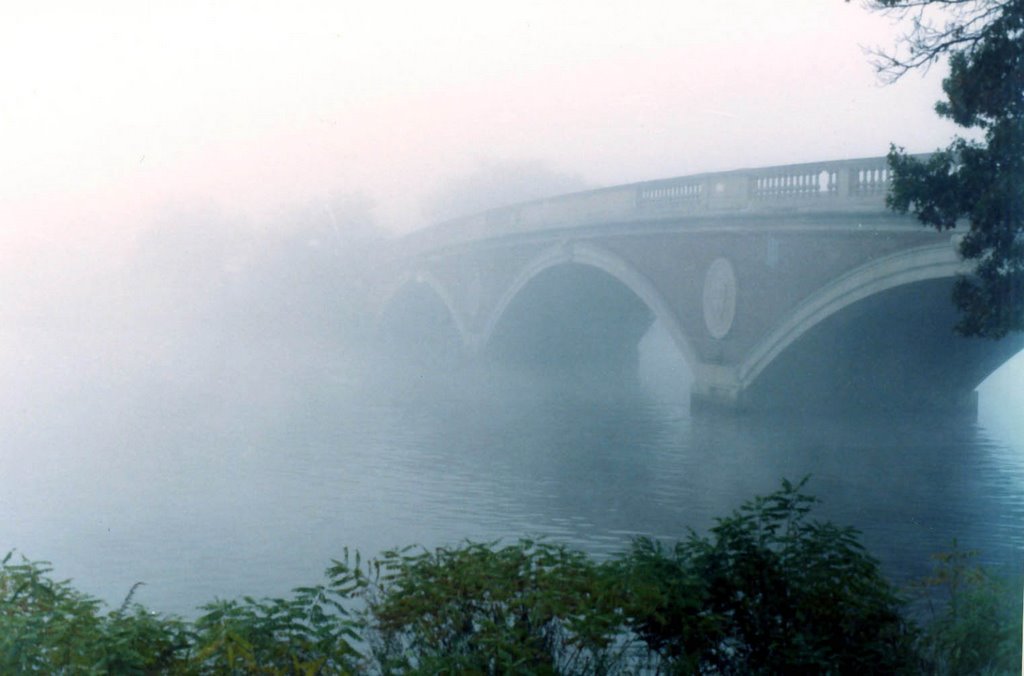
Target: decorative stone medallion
{"points": [[719, 298]]}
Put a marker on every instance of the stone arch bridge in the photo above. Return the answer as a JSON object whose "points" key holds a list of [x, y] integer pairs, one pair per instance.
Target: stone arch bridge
{"points": [[781, 287]]}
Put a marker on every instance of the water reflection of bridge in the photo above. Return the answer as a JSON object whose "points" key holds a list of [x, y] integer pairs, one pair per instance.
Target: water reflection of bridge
{"points": [[783, 286]]}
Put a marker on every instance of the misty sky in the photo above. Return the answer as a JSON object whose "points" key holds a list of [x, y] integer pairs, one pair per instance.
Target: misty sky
{"points": [[155, 137], [113, 110]]}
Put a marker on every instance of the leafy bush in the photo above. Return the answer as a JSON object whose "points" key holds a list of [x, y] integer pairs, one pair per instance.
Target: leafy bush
{"points": [[767, 590], [312, 632], [974, 618], [530, 607], [46, 626]]}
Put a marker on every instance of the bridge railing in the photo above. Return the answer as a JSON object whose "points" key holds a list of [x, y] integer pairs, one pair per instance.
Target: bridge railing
{"points": [[857, 185]]}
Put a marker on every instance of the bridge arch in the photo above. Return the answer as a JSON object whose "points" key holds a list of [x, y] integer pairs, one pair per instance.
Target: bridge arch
{"points": [[580, 253], [408, 283], [898, 269], [878, 337]]}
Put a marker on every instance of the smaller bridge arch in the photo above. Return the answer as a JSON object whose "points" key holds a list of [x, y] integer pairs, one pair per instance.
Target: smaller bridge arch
{"points": [[582, 253], [430, 284]]}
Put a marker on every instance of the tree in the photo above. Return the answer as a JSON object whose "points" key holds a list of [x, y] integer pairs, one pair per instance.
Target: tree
{"points": [[497, 183], [980, 180]]}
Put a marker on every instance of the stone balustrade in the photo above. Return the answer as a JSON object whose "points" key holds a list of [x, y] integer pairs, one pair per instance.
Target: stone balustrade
{"points": [[841, 186]]}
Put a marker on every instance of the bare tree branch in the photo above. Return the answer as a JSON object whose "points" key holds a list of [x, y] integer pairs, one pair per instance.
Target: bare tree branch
{"points": [[937, 27]]}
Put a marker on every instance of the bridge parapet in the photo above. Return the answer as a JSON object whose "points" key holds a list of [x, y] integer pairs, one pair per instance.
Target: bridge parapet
{"points": [[841, 186]]}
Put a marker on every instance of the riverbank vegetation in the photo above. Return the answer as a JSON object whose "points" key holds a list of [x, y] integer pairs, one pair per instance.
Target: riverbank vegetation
{"points": [[768, 590]]}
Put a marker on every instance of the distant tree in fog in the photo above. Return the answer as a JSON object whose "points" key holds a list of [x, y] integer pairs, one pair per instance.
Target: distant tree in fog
{"points": [[497, 183], [184, 261], [312, 272], [322, 248], [341, 220], [299, 274]]}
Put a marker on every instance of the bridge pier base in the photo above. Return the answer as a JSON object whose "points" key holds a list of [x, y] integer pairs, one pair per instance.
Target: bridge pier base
{"points": [[721, 400], [967, 407], [715, 387], [714, 402]]}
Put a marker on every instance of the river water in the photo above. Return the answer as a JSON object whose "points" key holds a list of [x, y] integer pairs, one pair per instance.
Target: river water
{"points": [[243, 468]]}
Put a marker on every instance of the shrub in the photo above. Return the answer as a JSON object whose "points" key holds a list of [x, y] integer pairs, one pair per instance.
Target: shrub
{"points": [[311, 632], [973, 620], [768, 591], [46, 626], [529, 607]]}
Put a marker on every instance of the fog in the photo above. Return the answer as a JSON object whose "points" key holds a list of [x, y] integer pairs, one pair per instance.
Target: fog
{"points": [[195, 204]]}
